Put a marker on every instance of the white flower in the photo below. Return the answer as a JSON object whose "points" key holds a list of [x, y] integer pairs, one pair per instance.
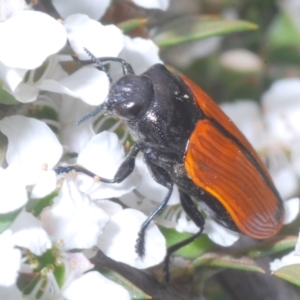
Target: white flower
{"points": [[27, 50], [24, 42], [289, 259], [153, 4], [55, 274], [28, 91], [10, 259], [74, 138], [10, 293], [73, 221], [103, 156], [28, 233], [220, 234], [248, 117], [91, 285], [101, 40], [11, 8], [93, 8], [13, 192], [87, 83], [241, 60], [119, 238], [140, 53], [33, 149], [282, 110], [291, 208]]}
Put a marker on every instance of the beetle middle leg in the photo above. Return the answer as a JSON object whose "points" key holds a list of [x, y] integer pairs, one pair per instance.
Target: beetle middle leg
{"points": [[163, 178]]}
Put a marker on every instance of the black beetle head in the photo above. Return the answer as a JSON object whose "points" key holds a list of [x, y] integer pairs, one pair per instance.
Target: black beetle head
{"points": [[129, 97]]}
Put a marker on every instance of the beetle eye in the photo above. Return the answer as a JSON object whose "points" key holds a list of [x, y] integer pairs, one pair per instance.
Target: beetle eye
{"points": [[129, 108], [130, 97]]}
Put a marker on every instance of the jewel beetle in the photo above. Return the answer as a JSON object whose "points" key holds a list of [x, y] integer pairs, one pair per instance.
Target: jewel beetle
{"points": [[187, 140]]}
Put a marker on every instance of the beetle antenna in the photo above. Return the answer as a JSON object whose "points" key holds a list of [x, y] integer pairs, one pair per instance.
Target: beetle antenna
{"points": [[126, 67], [91, 114], [99, 63]]}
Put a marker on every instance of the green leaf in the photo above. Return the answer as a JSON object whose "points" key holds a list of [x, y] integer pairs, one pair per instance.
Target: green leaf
{"points": [[193, 250], [7, 219], [289, 273], [7, 98], [283, 32], [35, 206], [197, 28], [3, 149], [43, 112], [271, 246], [134, 291], [214, 259], [132, 24]]}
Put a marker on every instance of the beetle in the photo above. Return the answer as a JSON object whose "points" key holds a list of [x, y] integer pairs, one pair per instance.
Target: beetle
{"points": [[187, 140]]}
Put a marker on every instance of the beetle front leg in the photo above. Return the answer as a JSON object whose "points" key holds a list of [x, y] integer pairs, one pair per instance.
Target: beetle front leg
{"points": [[123, 172]]}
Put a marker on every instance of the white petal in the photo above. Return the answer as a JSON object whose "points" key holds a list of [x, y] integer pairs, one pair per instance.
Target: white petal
{"points": [[184, 55], [11, 8], [82, 31], [286, 182], [241, 60], [44, 184], [291, 208], [79, 264], [10, 293], [26, 93], [219, 234], [185, 225], [93, 8], [109, 207], [282, 110], [73, 137], [134, 200], [289, 259], [74, 221], [13, 194], [10, 259], [153, 4], [88, 84], [11, 77], [28, 233], [119, 238], [140, 53], [152, 190], [30, 142], [94, 286], [25, 43], [247, 116], [103, 155], [297, 247]]}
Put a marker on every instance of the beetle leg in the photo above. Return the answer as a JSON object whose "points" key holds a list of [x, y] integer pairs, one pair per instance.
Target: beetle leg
{"points": [[163, 178], [192, 211], [123, 172]]}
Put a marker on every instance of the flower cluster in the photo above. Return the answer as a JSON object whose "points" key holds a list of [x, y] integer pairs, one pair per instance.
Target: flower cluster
{"points": [[52, 224], [36, 244]]}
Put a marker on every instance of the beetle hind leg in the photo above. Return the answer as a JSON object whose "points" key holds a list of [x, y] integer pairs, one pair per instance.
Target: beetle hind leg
{"points": [[192, 211]]}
